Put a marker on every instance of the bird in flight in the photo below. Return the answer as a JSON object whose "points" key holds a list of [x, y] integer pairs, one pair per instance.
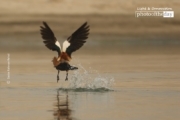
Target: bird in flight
{"points": [[73, 43]]}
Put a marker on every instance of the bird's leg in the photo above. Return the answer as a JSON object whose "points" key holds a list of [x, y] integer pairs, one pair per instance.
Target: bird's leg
{"points": [[66, 75], [58, 76]]}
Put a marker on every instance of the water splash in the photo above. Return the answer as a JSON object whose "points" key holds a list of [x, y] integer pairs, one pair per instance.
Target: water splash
{"points": [[89, 80]]}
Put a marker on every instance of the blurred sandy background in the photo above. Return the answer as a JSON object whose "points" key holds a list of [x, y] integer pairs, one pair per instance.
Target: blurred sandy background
{"points": [[141, 54], [112, 22]]}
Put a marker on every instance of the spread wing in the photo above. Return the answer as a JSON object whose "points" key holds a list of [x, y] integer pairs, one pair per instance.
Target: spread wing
{"points": [[50, 40], [76, 40]]}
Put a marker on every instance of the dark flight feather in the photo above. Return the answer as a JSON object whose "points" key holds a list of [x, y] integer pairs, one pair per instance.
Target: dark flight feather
{"points": [[49, 38], [78, 38]]}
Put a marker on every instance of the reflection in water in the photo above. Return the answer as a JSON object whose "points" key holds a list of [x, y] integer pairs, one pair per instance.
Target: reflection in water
{"points": [[62, 111]]}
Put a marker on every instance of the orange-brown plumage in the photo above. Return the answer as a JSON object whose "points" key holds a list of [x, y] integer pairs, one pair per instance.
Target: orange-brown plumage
{"points": [[65, 56], [62, 58], [55, 61]]}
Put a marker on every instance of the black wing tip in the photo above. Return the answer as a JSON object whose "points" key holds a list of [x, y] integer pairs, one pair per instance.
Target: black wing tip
{"points": [[86, 25], [44, 23]]}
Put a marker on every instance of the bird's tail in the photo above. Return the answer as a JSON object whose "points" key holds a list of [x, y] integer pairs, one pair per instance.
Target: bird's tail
{"points": [[73, 68]]}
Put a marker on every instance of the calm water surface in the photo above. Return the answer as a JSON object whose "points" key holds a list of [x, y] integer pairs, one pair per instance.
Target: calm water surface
{"points": [[135, 87]]}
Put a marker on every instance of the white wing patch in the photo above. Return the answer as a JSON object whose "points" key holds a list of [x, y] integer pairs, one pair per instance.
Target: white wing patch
{"points": [[66, 44], [58, 44]]}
